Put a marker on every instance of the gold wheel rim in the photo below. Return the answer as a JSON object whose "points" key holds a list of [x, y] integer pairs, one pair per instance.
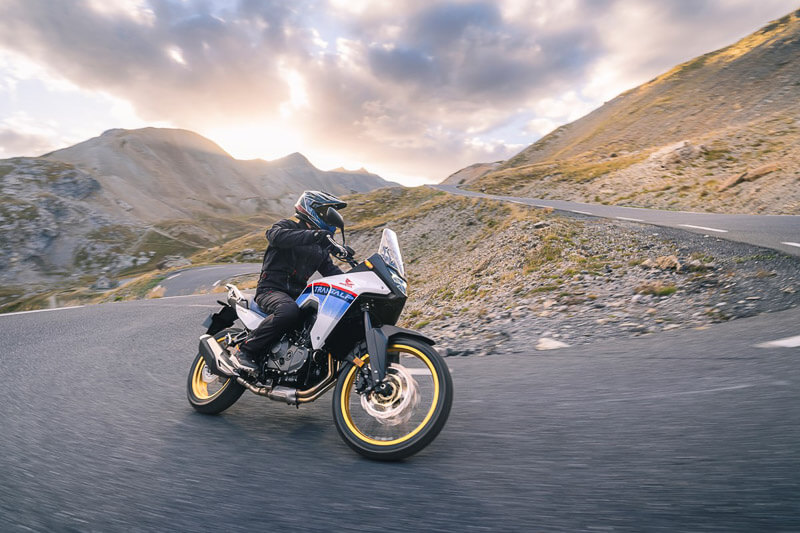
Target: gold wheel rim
{"points": [[348, 387], [199, 387]]}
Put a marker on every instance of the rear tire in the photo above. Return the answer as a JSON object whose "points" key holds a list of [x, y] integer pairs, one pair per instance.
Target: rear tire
{"points": [[401, 438], [225, 389]]}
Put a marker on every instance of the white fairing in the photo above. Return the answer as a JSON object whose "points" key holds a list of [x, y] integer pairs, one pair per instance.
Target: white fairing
{"points": [[249, 318], [333, 296]]}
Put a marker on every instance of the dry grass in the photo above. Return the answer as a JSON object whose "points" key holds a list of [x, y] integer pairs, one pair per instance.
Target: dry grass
{"points": [[156, 292], [656, 288]]}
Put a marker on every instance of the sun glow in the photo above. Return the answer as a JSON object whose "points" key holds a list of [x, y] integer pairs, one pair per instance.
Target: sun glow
{"points": [[263, 141]]}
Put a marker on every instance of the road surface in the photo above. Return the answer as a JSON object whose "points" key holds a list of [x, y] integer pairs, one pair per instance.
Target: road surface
{"points": [[680, 431], [779, 232]]}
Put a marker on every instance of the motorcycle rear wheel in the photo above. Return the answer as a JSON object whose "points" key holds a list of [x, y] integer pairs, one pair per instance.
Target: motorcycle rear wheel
{"points": [[208, 393], [393, 427]]}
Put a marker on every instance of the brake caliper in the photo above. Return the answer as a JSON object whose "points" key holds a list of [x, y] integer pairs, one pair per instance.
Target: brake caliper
{"points": [[363, 380]]}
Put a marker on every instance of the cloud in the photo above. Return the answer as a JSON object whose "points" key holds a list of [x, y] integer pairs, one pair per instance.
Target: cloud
{"points": [[21, 134], [13, 141], [422, 87]]}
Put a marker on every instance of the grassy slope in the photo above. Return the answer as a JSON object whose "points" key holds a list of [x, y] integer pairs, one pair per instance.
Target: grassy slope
{"points": [[739, 103]]}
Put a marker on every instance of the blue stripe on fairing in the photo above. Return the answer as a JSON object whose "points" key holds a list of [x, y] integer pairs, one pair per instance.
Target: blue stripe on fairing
{"points": [[334, 307], [335, 302], [303, 297]]}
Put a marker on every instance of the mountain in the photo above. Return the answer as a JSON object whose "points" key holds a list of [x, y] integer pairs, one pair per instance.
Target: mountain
{"points": [[718, 133], [128, 198], [155, 174]]}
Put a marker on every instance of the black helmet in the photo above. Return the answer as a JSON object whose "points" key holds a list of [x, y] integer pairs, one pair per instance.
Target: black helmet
{"points": [[312, 205]]}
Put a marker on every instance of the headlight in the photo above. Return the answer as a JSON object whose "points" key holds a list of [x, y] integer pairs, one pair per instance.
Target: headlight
{"points": [[400, 282]]}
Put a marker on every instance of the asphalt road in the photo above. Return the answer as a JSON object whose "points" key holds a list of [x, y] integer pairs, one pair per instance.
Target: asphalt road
{"points": [[779, 232], [193, 280], [683, 431]]}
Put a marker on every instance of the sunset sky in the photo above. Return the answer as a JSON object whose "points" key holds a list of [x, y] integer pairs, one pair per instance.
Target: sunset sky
{"points": [[410, 90]]}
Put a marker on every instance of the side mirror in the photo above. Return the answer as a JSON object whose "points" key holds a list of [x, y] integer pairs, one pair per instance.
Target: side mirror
{"points": [[333, 218]]}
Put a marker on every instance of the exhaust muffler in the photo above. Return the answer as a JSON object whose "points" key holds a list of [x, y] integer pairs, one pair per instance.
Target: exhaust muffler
{"points": [[215, 357]]}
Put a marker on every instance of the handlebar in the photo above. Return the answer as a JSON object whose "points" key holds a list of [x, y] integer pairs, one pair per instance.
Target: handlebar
{"points": [[343, 253]]}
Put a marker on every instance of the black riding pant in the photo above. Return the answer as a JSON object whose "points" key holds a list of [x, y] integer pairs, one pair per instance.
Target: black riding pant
{"points": [[283, 314]]}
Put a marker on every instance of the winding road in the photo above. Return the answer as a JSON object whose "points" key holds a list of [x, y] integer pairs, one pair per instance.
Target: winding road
{"points": [[779, 232]]}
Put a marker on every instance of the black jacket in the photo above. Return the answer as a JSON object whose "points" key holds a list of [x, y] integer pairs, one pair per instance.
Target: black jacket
{"points": [[292, 256]]}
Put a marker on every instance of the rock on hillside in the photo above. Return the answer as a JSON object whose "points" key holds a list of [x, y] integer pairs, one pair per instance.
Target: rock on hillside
{"points": [[43, 217], [471, 173], [676, 141]]}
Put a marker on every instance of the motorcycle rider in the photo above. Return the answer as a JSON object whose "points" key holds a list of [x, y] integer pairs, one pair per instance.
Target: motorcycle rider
{"points": [[297, 248]]}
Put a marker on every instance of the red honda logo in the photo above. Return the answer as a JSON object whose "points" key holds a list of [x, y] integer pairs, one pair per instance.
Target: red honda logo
{"points": [[348, 283]]}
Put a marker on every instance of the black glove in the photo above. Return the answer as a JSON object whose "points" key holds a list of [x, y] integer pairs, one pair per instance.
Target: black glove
{"points": [[321, 236]]}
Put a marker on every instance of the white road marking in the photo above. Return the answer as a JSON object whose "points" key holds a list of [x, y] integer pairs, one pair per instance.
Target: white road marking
{"points": [[663, 395], [173, 276], [154, 300], [704, 228], [631, 219], [788, 342], [544, 206], [582, 212], [40, 310], [216, 283], [791, 244]]}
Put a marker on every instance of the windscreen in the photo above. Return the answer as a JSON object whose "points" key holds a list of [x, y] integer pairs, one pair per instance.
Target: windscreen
{"points": [[389, 251]]}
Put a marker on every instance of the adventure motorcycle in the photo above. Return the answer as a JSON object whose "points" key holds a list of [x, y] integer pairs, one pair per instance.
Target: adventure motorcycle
{"points": [[393, 391]]}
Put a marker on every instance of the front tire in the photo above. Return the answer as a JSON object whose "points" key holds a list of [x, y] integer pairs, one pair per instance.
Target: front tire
{"points": [[209, 393], [396, 426]]}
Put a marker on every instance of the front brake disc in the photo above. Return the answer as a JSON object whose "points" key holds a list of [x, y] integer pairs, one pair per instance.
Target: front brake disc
{"points": [[397, 407]]}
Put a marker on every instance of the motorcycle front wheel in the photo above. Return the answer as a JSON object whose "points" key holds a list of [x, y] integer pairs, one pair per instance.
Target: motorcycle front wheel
{"points": [[408, 416], [209, 393]]}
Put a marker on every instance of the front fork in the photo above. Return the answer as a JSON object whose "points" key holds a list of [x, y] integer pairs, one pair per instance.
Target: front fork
{"points": [[378, 358]]}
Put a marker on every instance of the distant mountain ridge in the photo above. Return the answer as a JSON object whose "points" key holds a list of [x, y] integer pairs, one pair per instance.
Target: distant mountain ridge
{"points": [[170, 173], [719, 133], [127, 198]]}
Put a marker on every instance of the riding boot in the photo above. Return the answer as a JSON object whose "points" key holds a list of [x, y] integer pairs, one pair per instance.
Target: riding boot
{"points": [[244, 359]]}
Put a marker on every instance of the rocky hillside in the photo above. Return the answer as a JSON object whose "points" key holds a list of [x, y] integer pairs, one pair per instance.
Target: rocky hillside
{"points": [[718, 133], [124, 201], [487, 277]]}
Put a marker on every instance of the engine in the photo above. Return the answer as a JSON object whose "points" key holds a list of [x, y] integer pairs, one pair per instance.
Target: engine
{"points": [[287, 358], [291, 362]]}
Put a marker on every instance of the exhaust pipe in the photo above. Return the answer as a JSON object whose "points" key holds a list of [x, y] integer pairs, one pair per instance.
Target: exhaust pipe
{"points": [[279, 394]]}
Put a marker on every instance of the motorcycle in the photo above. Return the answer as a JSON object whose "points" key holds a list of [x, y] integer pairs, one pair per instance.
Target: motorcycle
{"points": [[392, 390]]}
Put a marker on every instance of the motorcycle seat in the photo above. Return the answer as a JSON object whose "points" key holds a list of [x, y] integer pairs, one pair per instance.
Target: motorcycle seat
{"points": [[253, 306]]}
